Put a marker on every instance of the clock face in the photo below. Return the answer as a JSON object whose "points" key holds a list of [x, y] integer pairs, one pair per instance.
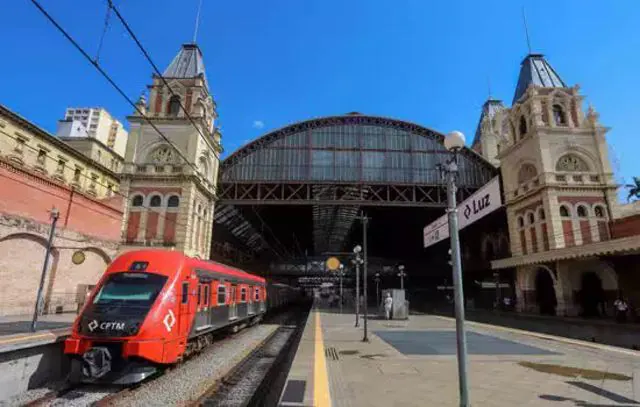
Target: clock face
{"points": [[163, 155]]}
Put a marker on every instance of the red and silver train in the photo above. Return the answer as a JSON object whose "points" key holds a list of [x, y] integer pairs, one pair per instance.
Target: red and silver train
{"points": [[154, 307]]}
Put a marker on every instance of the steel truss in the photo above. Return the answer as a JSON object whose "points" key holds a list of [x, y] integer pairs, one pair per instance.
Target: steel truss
{"points": [[242, 193]]}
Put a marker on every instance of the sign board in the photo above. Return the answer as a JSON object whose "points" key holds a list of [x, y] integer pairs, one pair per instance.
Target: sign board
{"points": [[484, 201], [333, 263]]}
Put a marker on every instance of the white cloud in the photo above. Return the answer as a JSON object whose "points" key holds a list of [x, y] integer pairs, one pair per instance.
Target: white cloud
{"points": [[258, 124]]}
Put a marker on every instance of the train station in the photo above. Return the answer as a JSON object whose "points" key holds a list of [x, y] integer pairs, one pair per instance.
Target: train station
{"points": [[349, 260]]}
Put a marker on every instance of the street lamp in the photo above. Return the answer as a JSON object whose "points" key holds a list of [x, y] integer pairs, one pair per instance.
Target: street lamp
{"points": [[377, 280], [357, 261], [54, 215], [454, 142], [402, 275], [341, 274]]}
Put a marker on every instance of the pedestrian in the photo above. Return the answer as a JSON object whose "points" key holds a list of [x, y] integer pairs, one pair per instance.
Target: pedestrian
{"points": [[388, 303], [621, 309]]}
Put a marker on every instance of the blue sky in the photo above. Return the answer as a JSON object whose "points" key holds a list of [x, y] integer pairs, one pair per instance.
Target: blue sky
{"points": [[282, 61]]}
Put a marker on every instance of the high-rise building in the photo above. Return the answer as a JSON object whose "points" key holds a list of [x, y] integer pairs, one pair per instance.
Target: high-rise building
{"points": [[94, 123]]}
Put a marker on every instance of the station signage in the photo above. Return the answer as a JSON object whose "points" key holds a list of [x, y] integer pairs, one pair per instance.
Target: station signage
{"points": [[484, 201]]}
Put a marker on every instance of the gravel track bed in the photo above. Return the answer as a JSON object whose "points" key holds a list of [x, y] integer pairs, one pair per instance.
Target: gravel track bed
{"points": [[26, 397], [83, 396], [190, 380], [241, 392]]}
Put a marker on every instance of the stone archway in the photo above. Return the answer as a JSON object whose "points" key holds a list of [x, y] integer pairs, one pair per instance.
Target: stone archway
{"points": [[545, 292]]}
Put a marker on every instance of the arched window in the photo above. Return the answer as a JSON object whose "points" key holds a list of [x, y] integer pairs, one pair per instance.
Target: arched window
{"points": [[541, 214], [558, 115], [582, 211], [599, 211], [174, 105], [156, 201], [173, 202], [520, 221], [532, 219], [564, 211], [571, 163], [137, 201], [523, 126]]}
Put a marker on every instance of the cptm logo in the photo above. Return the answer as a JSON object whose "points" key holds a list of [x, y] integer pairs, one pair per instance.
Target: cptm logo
{"points": [[118, 326]]}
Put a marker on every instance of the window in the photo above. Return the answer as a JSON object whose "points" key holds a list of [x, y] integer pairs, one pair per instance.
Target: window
{"points": [[109, 190], [520, 221], [94, 180], [564, 211], [222, 294], [526, 173], [243, 294], [257, 294], [582, 211], [174, 105], [156, 201], [199, 294], [76, 174], [532, 219], [20, 142], [206, 295], [599, 211], [61, 165], [541, 214], [42, 155], [559, 116], [125, 289], [173, 202], [137, 201], [523, 126], [185, 291], [571, 163]]}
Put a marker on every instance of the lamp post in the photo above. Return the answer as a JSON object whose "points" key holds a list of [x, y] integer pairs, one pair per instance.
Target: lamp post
{"points": [[365, 220], [357, 260], [341, 274], [402, 275], [54, 214], [377, 280], [453, 142]]}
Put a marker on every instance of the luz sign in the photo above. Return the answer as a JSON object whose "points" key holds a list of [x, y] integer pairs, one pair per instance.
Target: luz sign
{"points": [[484, 201]]}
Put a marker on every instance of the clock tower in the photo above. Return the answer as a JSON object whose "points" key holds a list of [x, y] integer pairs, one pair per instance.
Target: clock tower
{"points": [[171, 161]]}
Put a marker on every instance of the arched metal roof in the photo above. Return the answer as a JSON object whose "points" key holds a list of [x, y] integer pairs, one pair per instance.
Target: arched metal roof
{"points": [[339, 164], [352, 148]]}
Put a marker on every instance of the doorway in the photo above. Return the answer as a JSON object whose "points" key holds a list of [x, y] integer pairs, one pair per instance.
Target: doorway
{"points": [[591, 294], [545, 293]]}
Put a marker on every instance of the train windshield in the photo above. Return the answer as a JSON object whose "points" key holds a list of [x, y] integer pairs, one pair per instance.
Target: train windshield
{"points": [[130, 288]]}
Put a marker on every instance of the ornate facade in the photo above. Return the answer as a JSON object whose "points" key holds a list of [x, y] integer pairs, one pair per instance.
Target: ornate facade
{"points": [[559, 192], [171, 161]]}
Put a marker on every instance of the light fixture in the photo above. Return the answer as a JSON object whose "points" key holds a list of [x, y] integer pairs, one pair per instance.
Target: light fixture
{"points": [[357, 249], [454, 141]]}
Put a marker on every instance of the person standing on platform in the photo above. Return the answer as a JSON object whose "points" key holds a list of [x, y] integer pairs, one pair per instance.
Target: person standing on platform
{"points": [[388, 303], [621, 309]]}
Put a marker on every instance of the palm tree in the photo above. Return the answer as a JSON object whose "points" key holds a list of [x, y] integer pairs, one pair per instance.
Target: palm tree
{"points": [[634, 189]]}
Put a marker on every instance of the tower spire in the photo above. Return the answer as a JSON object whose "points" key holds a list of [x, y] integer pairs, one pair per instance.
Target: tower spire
{"points": [[526, 29], [195, 31]]}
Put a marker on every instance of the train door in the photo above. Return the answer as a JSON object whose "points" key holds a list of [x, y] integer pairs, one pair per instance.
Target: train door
{"points": [[184, 314], [260, 298], [251, 304], [233, 311]]}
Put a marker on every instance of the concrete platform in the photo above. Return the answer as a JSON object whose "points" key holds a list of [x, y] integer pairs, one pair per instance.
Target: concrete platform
{"points": [[413, 363], [15, 331]]}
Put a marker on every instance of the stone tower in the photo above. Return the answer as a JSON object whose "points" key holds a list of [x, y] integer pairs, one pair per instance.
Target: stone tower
{"points": [[486, 141], [558, 183], [171, 185]]}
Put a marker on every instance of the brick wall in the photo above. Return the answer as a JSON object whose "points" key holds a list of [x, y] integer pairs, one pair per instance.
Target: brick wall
{"points": [[31, 195], [625, 227]]}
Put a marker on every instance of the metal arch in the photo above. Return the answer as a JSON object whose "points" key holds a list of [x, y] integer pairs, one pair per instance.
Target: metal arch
{"points": [[379, 121]]}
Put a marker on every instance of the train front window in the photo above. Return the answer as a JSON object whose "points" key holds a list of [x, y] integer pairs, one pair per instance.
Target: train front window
{"points": [[135, 288]]}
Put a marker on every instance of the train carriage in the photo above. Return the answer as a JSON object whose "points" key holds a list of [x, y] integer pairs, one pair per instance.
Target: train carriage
{"points": [[153, 307]]}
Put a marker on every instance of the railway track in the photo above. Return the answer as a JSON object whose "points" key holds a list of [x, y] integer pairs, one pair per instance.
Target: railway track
{"points": [[258, 378]]}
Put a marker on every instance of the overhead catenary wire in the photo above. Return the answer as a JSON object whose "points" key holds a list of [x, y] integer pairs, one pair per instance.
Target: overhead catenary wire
{"points": [[111, 81], [155, 67]]}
